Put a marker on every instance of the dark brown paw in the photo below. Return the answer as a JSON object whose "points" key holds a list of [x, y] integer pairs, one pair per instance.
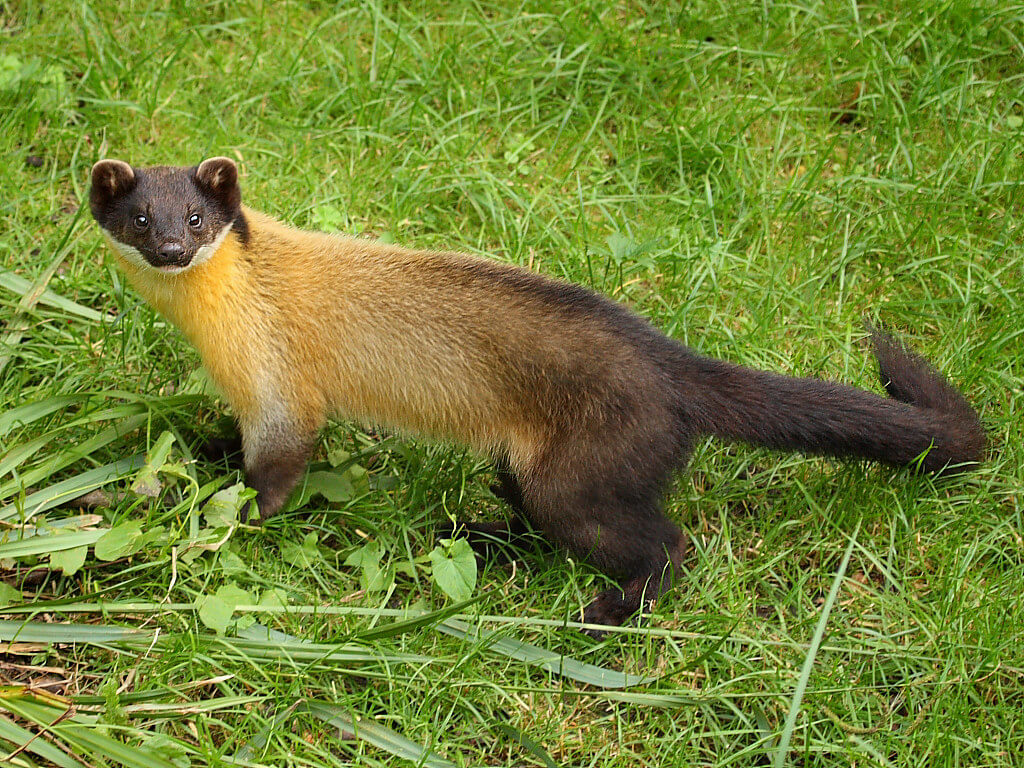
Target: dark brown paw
{"points": [[611, 608]]}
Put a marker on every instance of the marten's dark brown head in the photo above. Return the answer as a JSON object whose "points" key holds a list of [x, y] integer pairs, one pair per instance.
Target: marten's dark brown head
{"points": [[167, 218]]}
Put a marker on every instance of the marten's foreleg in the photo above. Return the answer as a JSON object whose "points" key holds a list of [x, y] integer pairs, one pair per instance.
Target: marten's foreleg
{"points": [[276, 448]]}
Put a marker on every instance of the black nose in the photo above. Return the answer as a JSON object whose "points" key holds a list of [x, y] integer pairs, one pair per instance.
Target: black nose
{"points": [[171, 252], [171, 255]]}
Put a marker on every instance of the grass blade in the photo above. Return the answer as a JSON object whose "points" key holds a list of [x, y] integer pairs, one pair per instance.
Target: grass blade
{"points": [[599, 677], [18, 284], [528, 744], [59, 460], [41, 543], [812, 652], [26, 741], [377, 735], [72, 488], [96, 634], [82, 737], [259, 642], [30, 412], [30, 297]]}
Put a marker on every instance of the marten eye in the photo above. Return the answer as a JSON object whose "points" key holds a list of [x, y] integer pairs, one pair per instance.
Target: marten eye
{"points": [[195, 221], [141, 222]]}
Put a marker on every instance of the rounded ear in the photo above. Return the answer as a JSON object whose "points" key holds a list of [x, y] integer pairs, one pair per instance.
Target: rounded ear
{"points": [[111, 179], [219, 177]]}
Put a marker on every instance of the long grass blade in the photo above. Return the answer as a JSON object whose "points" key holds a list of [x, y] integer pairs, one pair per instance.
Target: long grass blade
{"points": [[59, 460], [72, 488], [30, 297], [94, 634], [82, 737], [18, 284], [42, 543], [599, 677], [21, 740], [253, 643], [28, 413], [805, 672], [376, 734]]}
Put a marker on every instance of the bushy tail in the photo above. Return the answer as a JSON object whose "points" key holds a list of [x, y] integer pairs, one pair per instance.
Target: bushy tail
{"points": [[925, 422]]}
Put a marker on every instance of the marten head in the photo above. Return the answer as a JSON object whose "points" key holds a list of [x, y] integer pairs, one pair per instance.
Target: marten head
{"points": [[170, 219]]}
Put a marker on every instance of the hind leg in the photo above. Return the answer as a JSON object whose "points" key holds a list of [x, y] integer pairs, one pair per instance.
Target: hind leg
{"points": [[223, 449], [506, 487], [638, 592], [646, 557], [614, 522]]}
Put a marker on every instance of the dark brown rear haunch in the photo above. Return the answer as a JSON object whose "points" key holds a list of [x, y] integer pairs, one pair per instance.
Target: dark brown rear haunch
{"points": [[599, 488]]}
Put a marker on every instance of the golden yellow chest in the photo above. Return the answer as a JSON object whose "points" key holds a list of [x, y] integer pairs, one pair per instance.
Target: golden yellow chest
{"points": [[209, 304]]}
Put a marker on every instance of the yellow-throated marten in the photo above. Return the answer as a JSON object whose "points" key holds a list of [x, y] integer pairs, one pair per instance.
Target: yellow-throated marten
{"points": [[584, 406]]}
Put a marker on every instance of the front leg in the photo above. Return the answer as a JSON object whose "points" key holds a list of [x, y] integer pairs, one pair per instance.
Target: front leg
{"points": [[276, 451]]}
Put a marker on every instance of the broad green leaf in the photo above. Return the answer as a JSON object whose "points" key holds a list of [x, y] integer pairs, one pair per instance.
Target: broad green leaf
{"points": [[359, 479], [368, 554], [338, 456], [453, 567], [167, 748], [147, 482], [121, 541], [215, 613], [624, 249], [333, 486], [216, 610], [151, 534], [272, 598], [234, 595], [10, 67], [231, 563], [68, 560], [302, 555], [9, 595], [224, 507], [344, 461], [372, 577], [329, 218]]}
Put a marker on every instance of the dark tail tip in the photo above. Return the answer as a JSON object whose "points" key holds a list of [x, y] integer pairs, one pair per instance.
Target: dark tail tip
{"points": [[911, 379]]}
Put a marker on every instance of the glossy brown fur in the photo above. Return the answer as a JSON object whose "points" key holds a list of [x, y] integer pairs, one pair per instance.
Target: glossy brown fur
{"points": [[587, 407]]}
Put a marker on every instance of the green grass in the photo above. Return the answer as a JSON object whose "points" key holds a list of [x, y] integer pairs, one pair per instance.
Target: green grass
{"points": [[757, 178]]}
